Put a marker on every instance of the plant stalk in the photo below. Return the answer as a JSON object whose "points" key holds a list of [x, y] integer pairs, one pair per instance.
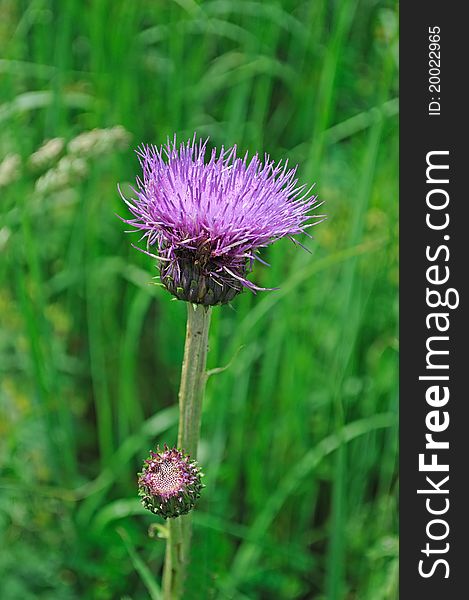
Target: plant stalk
{"points": [[191, 393]]}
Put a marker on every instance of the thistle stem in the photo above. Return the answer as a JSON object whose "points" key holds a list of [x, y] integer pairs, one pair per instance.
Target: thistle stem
{"points": [[191, 393]]}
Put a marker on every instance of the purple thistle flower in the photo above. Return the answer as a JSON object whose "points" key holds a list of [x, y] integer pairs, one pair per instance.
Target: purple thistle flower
{"points": [[209, 220], [170, 483]]}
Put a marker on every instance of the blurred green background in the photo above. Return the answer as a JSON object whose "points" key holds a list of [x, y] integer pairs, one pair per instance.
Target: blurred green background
{"points": [[299, 433]]}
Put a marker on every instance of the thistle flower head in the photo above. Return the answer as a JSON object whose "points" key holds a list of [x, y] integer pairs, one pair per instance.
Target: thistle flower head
{"points": [[207, 220], [170, 483]]}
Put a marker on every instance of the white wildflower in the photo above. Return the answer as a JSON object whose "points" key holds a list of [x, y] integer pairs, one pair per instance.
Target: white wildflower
{"points": [[47, 153], [10, 169], [69, 170], [99, 141]]}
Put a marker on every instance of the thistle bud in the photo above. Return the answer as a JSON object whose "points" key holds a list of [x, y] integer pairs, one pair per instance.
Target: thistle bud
{"points": [[170, 483]]}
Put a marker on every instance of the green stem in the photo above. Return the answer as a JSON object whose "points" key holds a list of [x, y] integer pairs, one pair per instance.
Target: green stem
{"points": [[191, 393]]}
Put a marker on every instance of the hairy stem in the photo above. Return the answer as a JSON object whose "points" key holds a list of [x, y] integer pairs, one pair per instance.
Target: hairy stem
{"points": [[191, 393]]}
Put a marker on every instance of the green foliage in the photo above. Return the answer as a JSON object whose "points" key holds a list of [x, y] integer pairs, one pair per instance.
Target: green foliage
{"points": [[299, 432]]}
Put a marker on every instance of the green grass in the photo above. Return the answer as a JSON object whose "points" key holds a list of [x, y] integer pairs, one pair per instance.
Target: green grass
{"points": [[299, 432]]}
